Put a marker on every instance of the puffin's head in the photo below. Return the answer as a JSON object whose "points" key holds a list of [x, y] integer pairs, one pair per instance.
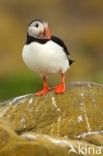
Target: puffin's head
{"points": [[39, 29]]}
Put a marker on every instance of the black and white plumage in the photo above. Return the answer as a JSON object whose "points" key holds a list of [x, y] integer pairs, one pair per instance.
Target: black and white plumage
{"points": [[44, 53]]}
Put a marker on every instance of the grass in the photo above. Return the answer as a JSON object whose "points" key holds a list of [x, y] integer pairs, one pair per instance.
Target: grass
{"points": [[15, 85]]}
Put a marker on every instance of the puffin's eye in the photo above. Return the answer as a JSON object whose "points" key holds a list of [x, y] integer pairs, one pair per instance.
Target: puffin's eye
{"points": [[36, 25]]}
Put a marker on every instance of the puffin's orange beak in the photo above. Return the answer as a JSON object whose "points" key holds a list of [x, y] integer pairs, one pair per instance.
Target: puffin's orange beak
{"points": [[47, 33]]}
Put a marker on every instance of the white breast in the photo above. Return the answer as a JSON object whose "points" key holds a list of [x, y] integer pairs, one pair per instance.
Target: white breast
{"points": [[48, 58]]}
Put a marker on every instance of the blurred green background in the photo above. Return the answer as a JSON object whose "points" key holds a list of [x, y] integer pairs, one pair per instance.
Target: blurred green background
{"points": [[78, 23]]}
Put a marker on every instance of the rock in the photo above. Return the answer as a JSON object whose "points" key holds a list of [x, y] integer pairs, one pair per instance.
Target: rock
{"points": [[96, 139], [77, 111], [34, 144], [53, 121], [5, 134], [13, 145]]}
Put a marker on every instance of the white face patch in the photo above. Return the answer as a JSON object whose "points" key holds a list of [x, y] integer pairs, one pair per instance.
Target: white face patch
{"points": [[36, 29]]}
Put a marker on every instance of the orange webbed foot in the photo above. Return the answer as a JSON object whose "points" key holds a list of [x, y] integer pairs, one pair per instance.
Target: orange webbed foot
{"points": [[59, 89], [42, 92]]}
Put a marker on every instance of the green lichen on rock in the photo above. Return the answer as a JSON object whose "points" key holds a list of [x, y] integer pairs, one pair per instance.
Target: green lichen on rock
{"points": [[35, 144], [78, 110], [48, 123]]}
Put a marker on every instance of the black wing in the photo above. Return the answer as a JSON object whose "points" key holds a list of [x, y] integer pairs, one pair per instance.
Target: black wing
{"points": [[61, 43]]}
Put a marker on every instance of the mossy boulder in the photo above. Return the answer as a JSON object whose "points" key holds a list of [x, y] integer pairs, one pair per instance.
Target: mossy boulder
{"points": [[48, 124], [78, 111], [35, 144]]}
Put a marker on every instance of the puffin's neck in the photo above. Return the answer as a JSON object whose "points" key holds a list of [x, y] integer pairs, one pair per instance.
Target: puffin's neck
{"points": [[31, 39]]}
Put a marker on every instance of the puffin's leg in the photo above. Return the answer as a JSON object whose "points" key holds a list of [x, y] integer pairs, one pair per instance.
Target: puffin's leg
{"points": [[45, 89], [60, 89]]}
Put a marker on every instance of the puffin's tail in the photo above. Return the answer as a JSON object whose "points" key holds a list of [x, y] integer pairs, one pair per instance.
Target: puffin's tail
{"points": [[71, 61]]}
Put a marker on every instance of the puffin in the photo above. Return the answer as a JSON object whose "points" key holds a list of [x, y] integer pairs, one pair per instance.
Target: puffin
{"points": [[46, 54]]}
